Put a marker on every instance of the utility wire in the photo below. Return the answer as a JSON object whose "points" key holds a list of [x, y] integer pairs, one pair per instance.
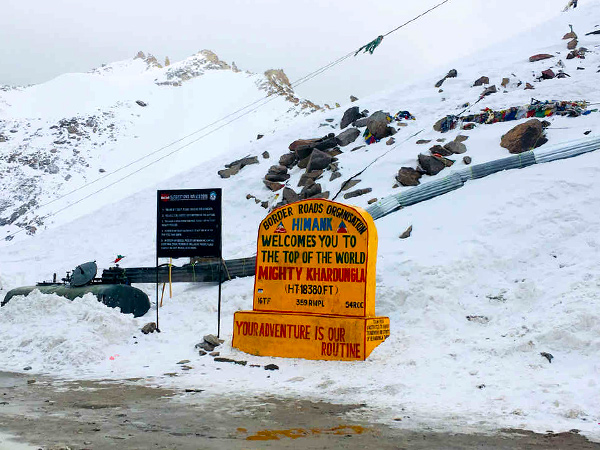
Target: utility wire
{"points": [[268, 97]]}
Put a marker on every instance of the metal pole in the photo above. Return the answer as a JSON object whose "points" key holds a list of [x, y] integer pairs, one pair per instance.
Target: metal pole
{"points": [[157, 329], [219, 310]]}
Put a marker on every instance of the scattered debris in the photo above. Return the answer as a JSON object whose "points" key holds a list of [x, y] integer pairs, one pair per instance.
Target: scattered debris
{"points": [[406, 233]]}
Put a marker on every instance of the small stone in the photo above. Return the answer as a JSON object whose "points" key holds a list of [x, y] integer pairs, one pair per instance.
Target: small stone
{"points": [[32, 381], [288, 160], [201, 352], [150, 327], [184, 361], [265, 204], [390, 141], [467, 160], [456, 147], [481, 81], [27, 368], [141, 103], [489, 91], [335, 175], [353, 98], [540, 57], [548, 356], [266, 155], [357, 193], [461, 138], [272, 185], [528, 86], [423, 141], [348, 136], [357, 148], [206, 346], [271, 367], [478, 319], [373, 200], [259, 136], [101, 170], [572, 44], [350, 116], [249, 196], [548, 74], [228, 360], [505, 82], [406, 233], [214, 353], [213, 340], [587, 132], [407, 176], [349, 184]]}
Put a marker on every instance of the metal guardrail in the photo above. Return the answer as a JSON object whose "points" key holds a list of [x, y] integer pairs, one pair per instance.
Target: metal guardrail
{"points": [[457, 179]]}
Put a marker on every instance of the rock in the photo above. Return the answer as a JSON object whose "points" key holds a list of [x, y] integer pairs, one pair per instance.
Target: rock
{"points": [[234, 167], [528, 86], [141, 103], [303, 163], [266, 155], [289, 195], [440, 82], [288, 160], [249, 196], [423, 141], [213, 340], [548, 356], [329, 120], [439, 150], [573, 54], [540, 57], [335, 175], [524, 137], [350, 116], [214, 354], [430, 164], [481, 81], [318, 160], [461, 138], [587, 132], [572, 44], [570, 35], [548, 74], [310, 190], [505, 82], [447, 162], [301, 143], [334, 152], [362, 122], [202, 352], [277, 176], [347, 137], [357, 192], [452, 73], [265, 204], [406, 233], [277, 169], [272, 185], [271, 367], [488, 91], [378, 125], [455, 147], [228, 360], [357, 148], [390, 141], [150, 327], [206, 346], [184, 361], [27, 368], [407, 176], [467, 160], [3, 138], [326, 142], [101, 170], [306, 176], [259, 136], [349, 184], [371, 201]]}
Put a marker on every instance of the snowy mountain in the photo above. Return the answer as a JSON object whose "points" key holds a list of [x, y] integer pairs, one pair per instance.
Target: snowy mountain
{"points": [[493, 275], [79, 128]]}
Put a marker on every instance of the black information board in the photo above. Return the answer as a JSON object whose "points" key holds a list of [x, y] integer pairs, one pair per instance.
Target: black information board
{"points": [[189, 223]]}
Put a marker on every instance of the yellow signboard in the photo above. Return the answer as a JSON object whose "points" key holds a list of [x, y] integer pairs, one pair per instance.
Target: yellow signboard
{"points": [[314, 287], [316, 257], [308, 336]]}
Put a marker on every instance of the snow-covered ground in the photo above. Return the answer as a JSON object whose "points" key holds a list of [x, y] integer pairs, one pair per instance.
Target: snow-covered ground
{"points": [[518, 249]]}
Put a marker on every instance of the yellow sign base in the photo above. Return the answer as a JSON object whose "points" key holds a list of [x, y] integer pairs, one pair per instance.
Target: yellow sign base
{"points": [[308, 336]]}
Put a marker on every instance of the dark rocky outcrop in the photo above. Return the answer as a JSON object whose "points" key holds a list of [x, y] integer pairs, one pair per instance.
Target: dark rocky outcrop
{"points": [[347, 137], [524, 137], [288, 160], [439, 150], [455, 147], [407, 176], [430, 164], [318, 160], [378, 125], [350, 116]]}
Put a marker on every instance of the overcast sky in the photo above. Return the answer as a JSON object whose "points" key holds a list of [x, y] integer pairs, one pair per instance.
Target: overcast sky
{"points": [[42, 39]]}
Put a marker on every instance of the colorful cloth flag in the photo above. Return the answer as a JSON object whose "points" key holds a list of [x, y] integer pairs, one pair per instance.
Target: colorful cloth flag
{"points": [[118, 258]]}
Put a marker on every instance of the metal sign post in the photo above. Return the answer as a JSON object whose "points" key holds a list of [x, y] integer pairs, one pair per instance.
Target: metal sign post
{"points": [[189, 225]]}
